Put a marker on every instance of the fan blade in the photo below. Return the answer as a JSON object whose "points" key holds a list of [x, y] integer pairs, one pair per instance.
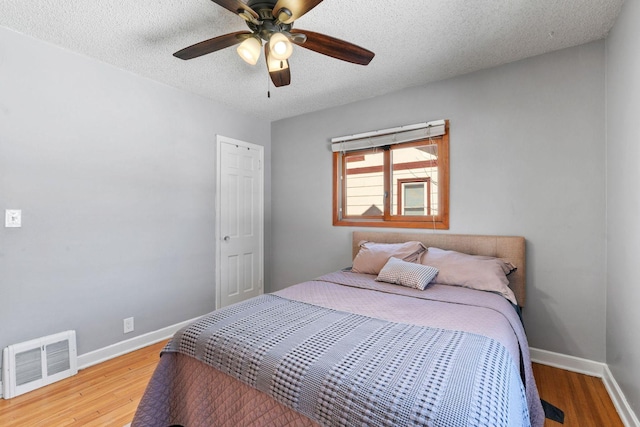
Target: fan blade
{"points": [[211, 45], [334, 47], [279, 77], [236, 6], [296, 7]]}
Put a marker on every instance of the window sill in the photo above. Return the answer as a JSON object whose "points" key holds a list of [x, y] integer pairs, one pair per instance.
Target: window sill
{"points": [[431, 225]]}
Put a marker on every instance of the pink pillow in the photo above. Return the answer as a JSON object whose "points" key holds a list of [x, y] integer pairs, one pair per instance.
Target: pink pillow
{"points": [[373, 256], [471, 271]]}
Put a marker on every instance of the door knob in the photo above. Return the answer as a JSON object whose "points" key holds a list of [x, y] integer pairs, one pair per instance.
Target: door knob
{"points": [[226, 238]]}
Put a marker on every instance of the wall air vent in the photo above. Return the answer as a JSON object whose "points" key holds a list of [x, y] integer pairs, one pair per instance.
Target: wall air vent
{"points": [[36, 363]]}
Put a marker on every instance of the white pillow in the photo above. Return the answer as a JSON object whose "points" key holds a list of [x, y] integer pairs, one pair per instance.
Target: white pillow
{"points": [[407, 274]]}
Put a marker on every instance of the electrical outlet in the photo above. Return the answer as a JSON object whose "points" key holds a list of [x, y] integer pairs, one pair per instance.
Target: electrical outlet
{"points": [[128, 325]]}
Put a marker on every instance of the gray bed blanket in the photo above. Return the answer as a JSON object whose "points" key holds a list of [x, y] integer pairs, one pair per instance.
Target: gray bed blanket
{"points": [[344, 369], [441, 306]]}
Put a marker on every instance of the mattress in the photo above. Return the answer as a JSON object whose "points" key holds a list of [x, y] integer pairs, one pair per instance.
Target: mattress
{"points": [[361, 353]]}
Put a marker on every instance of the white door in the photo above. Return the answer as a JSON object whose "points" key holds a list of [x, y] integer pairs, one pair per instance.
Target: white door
{"points": [[240, 225]]}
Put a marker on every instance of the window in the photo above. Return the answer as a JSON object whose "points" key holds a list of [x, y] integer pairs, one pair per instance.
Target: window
{"points": [[414, 196], [404, 185]]}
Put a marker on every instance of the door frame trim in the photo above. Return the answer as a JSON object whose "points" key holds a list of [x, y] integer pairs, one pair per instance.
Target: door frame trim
{"points": [[218, 232]]}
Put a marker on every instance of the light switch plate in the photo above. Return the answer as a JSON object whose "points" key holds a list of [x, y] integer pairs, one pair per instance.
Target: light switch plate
{"points": [[13, 218]]}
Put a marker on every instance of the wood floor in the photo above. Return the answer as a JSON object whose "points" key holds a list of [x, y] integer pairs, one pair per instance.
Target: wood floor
{"points": [[102, 395], [108, 394], [583, 399]]}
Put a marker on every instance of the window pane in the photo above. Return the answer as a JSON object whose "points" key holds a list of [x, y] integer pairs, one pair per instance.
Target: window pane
{"points": [[414, 183], [364, 184], [413, 199]]}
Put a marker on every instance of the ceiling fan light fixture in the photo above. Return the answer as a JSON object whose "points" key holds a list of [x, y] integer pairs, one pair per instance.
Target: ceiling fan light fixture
{"points": [[249, 50], [271, 22], [276, 64], [280, 46]]}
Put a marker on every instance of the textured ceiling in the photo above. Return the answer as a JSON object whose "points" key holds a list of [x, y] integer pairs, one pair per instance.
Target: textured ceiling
{"points": [[415, 42]]}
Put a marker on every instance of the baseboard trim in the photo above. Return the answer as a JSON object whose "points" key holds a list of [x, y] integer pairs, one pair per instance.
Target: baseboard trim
{"points": [[594, 369], [627, 415], [566, 362], [127, 346], [1, 390]]}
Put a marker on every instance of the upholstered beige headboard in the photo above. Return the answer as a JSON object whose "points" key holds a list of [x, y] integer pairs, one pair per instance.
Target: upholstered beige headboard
{"points": [[511, 248]]}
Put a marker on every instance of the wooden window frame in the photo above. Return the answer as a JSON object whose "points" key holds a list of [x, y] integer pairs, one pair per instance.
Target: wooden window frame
{"points": [[439, 222]]}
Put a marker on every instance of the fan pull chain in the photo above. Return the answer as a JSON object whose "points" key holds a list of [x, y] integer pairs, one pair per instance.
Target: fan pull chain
{"points": [[268, 87]]}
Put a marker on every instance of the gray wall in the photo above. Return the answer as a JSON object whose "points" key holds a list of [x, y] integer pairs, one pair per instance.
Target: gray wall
{"points": [[623, 202], [115, 176], [527, 158]]}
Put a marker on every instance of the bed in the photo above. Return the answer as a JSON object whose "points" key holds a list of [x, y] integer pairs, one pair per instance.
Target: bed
{"points": [[347, 349]]}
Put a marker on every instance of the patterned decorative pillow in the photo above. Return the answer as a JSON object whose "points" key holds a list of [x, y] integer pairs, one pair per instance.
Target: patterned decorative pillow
{"points": [[407, 274], [373, 256]]}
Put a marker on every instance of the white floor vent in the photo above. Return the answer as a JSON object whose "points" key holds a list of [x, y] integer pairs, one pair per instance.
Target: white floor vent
{"points": [[36, 363]]}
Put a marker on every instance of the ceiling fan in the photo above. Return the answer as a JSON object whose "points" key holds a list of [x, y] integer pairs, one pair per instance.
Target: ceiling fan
{"points": [[272, 21]]}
